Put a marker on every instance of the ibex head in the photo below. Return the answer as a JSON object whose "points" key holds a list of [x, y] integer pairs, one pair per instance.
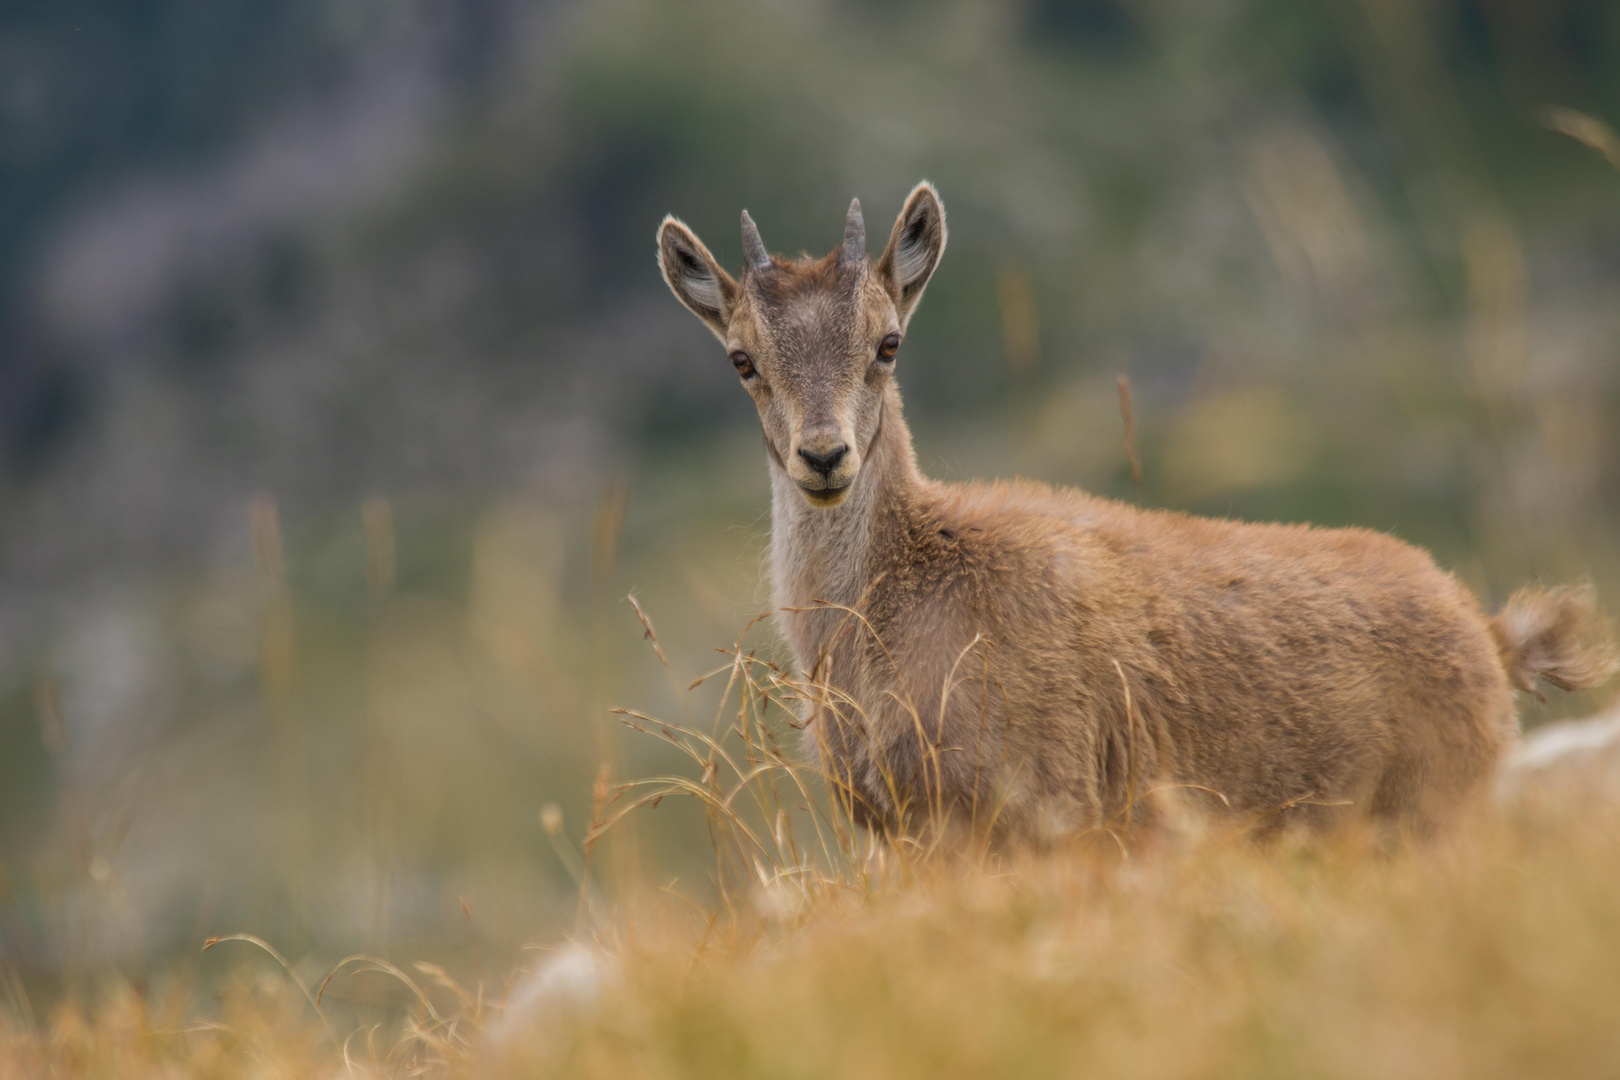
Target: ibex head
{"points": [[813, 340]]}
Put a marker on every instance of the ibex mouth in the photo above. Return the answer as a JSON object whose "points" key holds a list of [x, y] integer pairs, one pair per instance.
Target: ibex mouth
{"points": [[825, 497]]}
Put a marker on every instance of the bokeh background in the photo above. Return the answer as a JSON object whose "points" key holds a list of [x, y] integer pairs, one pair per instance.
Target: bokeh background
{"points": [[341, 403]]}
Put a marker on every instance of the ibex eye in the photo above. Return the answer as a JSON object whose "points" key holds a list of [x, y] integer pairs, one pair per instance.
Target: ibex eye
{"points": [[888, 347], [744, 364]]}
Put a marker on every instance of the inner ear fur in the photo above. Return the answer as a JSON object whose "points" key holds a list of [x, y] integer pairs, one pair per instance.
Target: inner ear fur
{"points": [[695, 277], [914, 248]]}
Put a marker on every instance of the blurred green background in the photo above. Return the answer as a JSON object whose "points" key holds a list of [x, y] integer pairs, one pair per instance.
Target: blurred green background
{"points": [[341, 403]]}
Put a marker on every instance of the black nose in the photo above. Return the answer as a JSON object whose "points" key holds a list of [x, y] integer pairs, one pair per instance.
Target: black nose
{"points": [[824, 463]]}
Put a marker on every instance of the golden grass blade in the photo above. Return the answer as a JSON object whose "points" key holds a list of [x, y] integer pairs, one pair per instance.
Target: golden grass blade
{"points": [[1585, 129], [303, 987], [651, 634], [383, 967]]}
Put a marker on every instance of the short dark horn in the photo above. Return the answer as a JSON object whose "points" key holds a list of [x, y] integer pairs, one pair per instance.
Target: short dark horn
{"points": [[753, 247], [854, 249]]}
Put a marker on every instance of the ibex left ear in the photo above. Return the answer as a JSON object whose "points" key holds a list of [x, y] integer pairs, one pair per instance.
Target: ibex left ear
{"points": [[915, 245]]}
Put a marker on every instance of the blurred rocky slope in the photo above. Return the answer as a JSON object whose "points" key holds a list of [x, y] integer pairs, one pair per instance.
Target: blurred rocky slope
{"points": [[320, 250]]}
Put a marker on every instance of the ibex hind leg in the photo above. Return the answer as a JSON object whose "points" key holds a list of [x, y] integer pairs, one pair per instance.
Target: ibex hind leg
{"points": [[1421, 795]]}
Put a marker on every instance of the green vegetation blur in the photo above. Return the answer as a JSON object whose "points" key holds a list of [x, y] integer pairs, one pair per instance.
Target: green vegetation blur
{"points": [[342, 406]]}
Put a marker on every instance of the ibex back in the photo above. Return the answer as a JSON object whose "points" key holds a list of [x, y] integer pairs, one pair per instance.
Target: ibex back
{"points": [[1033, 659]]}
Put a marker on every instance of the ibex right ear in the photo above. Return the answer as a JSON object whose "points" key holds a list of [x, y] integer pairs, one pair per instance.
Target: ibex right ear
{"points": [[915, 245], [694, 277]]}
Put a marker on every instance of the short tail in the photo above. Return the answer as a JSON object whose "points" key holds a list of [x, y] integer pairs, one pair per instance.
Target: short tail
{"points": [[1554, 634]]}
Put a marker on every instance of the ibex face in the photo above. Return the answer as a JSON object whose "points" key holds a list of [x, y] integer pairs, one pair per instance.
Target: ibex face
{"points": [[814, 340]]}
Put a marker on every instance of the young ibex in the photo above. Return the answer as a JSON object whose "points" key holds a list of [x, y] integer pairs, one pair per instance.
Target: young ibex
{"points": [[1035, 658]]}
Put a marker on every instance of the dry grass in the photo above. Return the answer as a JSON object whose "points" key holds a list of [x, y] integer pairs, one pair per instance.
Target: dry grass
{"points": [[1187, 953], [1497, 960], [1497, 955]]}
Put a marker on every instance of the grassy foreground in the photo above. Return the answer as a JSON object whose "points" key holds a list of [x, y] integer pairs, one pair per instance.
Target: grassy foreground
{"points": [[1497, 954]]}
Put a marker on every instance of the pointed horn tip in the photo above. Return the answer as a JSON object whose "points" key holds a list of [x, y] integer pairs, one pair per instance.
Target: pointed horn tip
{"points": [[753, 247], [854, 232]]}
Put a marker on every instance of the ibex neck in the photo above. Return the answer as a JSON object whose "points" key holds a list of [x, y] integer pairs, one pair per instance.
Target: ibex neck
{"points": [[825, 557]]}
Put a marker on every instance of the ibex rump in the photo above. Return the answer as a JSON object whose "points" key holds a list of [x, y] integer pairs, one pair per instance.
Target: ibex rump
{"points": [[1034, 658]]}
